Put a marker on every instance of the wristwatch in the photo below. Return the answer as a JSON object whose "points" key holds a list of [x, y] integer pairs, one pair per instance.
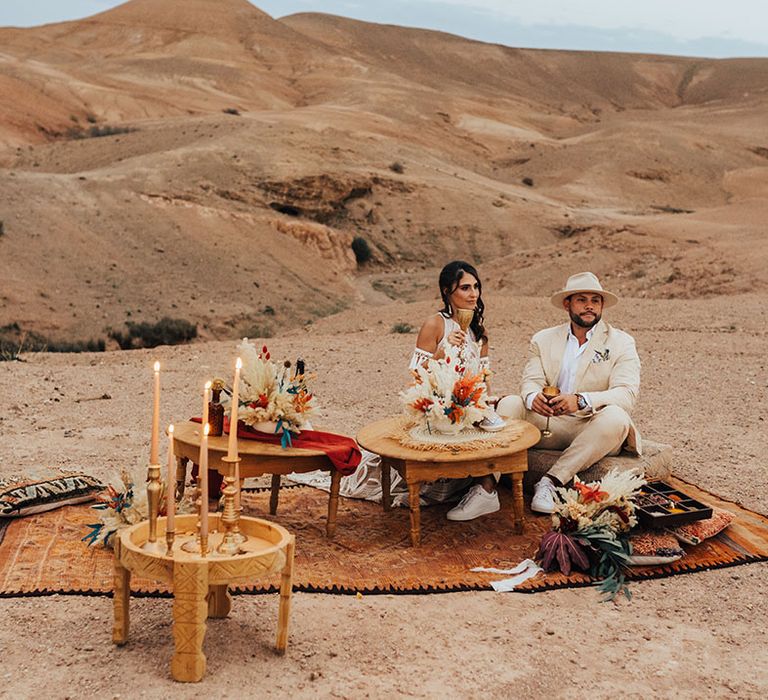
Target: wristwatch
{"points": [[581, 402]]}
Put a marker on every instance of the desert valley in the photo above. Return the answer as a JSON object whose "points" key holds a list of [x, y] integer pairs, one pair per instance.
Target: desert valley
{"points": [[301, 181]]}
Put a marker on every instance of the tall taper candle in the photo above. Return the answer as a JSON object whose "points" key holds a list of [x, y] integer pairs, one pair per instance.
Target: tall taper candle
{"points": [[232, 444], [153, 458], [204, 483], [206, 401], [170, 484]]}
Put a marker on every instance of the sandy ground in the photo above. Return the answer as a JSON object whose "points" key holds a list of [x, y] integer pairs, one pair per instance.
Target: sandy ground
{"points": [[689, 636], [649, 170]]}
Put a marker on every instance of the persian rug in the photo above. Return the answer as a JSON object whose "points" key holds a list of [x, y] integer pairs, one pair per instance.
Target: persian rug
{"points": [[371, 553]]}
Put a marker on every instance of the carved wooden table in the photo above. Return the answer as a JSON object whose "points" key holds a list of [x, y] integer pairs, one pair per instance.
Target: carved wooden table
{"points": [[420, 466], [200, 585], [257, 459]]}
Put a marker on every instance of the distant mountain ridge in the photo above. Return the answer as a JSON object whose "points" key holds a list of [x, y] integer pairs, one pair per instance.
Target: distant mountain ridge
{"points": [[199, 158]]}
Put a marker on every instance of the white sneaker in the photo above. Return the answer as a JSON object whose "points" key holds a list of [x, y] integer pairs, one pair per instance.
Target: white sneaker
{"points": [[476, 502], [543, 496]]}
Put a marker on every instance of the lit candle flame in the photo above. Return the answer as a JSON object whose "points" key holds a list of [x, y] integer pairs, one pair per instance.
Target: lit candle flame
{"points": [[157, 366], [207, 429], [239, 363], [170, 429], [208, 385]]}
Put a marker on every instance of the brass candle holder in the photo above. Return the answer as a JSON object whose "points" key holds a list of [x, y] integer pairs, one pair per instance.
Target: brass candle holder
{"points": [[154, 489], [230, 518], [195, 545], [170, 538]]}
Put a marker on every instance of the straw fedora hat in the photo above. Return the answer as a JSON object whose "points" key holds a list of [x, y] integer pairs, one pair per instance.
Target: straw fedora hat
{"points": [[583, 282]]}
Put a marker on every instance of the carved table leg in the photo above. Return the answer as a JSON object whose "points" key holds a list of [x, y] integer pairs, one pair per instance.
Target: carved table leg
{"points": [[333, 504], [517, 502], [386, 499], [414, 491], [121, 599], [274, 494], [190, 609], [286, 588], [181, 476], [219, 601]]}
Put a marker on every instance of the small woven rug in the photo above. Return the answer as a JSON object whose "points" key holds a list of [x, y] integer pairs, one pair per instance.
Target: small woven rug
{"points": [[371, 552]]}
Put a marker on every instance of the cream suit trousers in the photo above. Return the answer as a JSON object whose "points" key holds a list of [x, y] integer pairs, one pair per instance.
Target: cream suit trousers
{"points": [[583, 440]]}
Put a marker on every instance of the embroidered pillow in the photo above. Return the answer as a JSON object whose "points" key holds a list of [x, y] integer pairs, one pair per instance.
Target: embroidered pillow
{"points": [[653, 548], [695, 533], [41, 490]]}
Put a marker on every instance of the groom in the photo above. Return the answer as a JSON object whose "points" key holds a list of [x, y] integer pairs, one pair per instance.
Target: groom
{"points": [[597, 370]]}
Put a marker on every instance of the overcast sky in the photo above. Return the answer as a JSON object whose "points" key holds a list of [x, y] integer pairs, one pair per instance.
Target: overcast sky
{"points": [[713, 28]]}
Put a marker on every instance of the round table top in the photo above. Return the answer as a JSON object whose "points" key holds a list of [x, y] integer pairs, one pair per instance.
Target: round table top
{"points": [[189, 433], [265, 538], [377, 437]]}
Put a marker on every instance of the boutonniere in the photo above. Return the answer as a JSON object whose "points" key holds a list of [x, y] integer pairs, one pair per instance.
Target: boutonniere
{"points": [[601, 356]]}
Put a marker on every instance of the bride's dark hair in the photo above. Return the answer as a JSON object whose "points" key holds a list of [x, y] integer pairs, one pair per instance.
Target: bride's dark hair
{"points": [[449, 282]]}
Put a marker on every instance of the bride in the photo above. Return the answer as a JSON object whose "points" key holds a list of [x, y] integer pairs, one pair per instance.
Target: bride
{"points": [[460, 288]]}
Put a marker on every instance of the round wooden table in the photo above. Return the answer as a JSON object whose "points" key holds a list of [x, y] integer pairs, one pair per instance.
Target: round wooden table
{"points": [[420, 466], [200, 584], [257, 459]]}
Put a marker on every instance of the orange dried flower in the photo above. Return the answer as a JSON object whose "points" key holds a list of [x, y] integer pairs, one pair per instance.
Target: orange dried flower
{"points": [[455, 413], [422, 404], [590, 493], [466, 390], [301, 401]]}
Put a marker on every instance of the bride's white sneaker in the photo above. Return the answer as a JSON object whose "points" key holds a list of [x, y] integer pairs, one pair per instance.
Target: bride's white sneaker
{"points": [[476, 502], [543, 496]]}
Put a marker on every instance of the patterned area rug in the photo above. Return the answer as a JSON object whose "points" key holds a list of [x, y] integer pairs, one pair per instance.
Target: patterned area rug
{"points": [[371, 553]]}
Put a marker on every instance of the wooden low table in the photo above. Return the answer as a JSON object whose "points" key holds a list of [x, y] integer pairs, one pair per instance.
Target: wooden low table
{"points": [[257, 459], [200, 584], [420, 466]]}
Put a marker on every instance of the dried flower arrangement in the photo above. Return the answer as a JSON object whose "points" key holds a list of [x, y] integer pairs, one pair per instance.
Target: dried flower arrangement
{"points": [[447, 396], [590, 530], [271, 396]]}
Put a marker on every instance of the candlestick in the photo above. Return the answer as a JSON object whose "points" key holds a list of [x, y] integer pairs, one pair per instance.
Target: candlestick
{"points": [[153, 504], [170, 496], [206, 401], [232, 444], [204, 490], [230, 544], [153, 459]]}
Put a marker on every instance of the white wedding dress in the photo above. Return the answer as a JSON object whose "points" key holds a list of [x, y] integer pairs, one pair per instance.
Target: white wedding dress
{"points": [[365, 483]]}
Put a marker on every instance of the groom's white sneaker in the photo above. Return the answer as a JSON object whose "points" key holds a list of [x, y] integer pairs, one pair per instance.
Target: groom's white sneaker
{"points": [[544, 496], [476, 502]]}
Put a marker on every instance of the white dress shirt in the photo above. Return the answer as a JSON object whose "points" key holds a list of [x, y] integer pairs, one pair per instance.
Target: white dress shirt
{"points": [[568, 366]]}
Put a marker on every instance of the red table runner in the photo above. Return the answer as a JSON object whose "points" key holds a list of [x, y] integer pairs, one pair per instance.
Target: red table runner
{"points": [[341, 450]]}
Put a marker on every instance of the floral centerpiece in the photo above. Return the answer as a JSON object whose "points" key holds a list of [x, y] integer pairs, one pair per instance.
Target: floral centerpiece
{"points": [[590, 530], [272, 397], [447, 395]]}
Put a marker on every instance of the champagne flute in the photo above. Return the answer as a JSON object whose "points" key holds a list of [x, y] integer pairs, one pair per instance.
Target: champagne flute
{"points": [[550, 392]]}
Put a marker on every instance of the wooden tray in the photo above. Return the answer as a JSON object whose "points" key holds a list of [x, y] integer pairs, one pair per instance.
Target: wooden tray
{"points": [[661, 505]]}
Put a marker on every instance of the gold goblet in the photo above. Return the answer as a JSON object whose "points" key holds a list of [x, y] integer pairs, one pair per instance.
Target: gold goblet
{"points": [[464, 318], [550, 392]]}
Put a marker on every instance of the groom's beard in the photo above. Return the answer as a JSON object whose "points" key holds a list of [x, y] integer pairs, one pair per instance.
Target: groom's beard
{"points": [[579, 321]]}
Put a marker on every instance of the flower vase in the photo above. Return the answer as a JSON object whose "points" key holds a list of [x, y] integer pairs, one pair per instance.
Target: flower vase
{"points": [[446, 428], [267, 426]]}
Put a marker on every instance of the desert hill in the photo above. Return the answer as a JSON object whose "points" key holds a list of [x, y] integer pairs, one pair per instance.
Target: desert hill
{"points": [[202, 160]]}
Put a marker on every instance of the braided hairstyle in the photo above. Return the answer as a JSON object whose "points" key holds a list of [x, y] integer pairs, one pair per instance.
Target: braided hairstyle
{"points": [[449, 279]]}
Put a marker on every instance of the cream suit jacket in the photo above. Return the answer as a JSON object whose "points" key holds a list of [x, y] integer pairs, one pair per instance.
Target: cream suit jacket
{"points": [[608, 370]]}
